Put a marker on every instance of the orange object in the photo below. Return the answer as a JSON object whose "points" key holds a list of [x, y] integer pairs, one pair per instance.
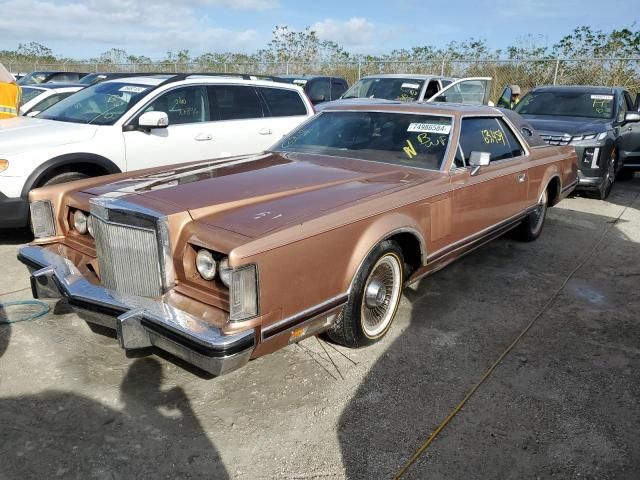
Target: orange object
{"points": [[9, 100]]}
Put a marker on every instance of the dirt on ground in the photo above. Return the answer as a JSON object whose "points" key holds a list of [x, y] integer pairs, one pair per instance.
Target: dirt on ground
{"points": [[564, 403]]}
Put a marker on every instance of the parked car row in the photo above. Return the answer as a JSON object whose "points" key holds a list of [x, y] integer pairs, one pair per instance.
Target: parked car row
{"points": [[221, 217]]}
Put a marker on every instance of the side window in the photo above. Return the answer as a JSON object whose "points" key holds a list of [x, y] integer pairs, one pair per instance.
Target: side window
{"points": [[514, 143], [183, 105], [337, 89], [47, 102], [629, 102], [432, 89], [484, 135], [283, 102], [234, 102], [622, 108], [446, 83], [318, 89]]}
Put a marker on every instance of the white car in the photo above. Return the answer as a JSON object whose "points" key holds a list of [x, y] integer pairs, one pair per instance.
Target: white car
{"points": [[415, 88], [141, 122], [36, 98]]}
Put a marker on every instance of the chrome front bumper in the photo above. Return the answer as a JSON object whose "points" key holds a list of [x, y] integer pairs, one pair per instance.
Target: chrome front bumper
{"points": [[139, 322], [588, 182]]}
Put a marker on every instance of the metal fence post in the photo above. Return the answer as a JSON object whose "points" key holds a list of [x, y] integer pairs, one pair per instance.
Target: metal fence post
{"points": [[287, 67], [555, 74], [359, 69], [442, 67]]}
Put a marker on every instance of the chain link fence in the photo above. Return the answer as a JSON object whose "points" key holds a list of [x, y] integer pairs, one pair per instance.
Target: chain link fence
{"points": [[527, 74]]}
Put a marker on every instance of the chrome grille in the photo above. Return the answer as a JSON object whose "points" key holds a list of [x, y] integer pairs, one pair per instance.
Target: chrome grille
{"points": [[129, 258], [556, 139]]}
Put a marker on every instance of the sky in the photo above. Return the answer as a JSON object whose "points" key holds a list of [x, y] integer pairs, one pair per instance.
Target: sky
{"points": [[83, 29]]}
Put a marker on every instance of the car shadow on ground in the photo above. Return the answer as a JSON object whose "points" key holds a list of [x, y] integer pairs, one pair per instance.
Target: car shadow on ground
{"points": [[16, 236], [154, 434], [564, 403]]}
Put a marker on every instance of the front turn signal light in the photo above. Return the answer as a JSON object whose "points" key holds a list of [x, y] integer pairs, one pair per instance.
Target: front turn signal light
{"points": [[4, 164]]}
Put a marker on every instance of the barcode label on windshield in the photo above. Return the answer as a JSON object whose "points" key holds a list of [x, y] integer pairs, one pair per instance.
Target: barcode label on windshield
{"points": [[132, 89], [601, 97], [429, 128], [413, 86]]}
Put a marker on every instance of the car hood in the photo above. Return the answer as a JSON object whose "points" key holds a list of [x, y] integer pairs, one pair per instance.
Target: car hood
{"points": [[256, 195], [20, 134], [352, 101], [571, 125]]}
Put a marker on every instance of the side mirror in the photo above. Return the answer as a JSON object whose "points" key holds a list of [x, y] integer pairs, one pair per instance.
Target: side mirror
{"points": [[478, 160], [631, 117], [151, 120], [317, 99], [440, 98], [33, 113]]}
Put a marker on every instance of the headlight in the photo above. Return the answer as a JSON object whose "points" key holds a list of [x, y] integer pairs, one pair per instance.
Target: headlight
{"points": [[224, 271], [4, 164], [90, 225], [243, 293], [42, 222], [589, 137], [206, 264], [602, 136], [80, 222]]}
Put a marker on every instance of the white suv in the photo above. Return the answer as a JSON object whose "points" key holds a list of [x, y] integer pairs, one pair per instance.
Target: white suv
{"points": [[140, 122]]}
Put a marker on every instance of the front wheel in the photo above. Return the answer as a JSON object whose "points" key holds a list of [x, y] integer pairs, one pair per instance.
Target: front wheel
{"points": [[531, 226], [607, 182], [374, 298]]}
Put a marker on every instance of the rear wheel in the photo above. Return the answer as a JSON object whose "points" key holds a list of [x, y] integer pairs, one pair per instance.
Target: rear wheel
{"points": [[374, 298], [531, 226]]}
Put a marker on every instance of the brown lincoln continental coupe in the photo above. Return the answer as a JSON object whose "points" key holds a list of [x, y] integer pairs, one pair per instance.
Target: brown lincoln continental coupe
{"points": [[221, 261]]}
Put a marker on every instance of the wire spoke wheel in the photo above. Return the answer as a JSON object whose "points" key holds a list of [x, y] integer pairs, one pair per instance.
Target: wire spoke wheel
{"points": [[381, 295]]}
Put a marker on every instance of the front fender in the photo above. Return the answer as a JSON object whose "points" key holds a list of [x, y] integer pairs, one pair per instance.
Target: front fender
{"points": [[379, 230]]}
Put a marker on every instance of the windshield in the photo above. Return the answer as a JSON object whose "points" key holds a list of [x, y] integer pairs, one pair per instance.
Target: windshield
{"points": [[403, 89], [92, 78], [418, 141], [33, 77], [567, 104], [101, 104], [29, 94]]}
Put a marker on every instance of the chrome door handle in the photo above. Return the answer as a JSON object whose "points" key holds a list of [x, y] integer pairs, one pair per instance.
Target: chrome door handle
{"points": [[203, 137], [522, 177], [265, 131]]}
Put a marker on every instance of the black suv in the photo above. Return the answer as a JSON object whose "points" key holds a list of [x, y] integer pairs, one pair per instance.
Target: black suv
{"points": [[601, 122], [318, 88]]}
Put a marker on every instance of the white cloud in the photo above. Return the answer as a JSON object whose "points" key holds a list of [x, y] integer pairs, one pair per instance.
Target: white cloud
{"points": [[353, 33], [138, 26]]}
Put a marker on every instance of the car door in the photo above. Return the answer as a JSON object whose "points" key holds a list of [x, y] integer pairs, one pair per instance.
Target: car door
{"points": [[628, 133], [505, 98], [188, 137], [497, 192], [285, 110], [472, 90]]}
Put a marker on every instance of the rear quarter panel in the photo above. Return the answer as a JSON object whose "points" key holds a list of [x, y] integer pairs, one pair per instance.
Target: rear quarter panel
{"points": [[548, 162]]}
